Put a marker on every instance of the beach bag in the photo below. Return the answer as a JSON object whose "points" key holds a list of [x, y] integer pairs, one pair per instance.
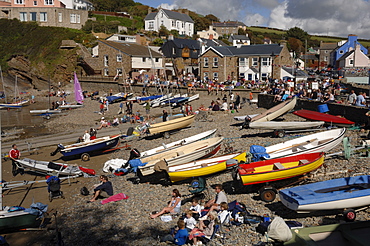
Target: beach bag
{"points": [[84, 191]]}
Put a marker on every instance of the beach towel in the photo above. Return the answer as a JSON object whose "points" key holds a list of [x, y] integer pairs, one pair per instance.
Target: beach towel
{"points": [[115, 198]]}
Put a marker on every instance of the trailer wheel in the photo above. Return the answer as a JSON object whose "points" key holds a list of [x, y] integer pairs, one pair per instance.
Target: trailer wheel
{"points": [[166, 135], [85, 157], [349, 215], [267, 194], [279, 133]]}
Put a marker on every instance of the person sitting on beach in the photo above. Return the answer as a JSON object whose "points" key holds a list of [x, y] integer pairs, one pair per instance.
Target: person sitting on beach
{"points": [[103, 123], [132, 119], [86, 136], [103, 189], [214, 204], [92, 134], [204, 228], [174, 206], [189, 220], [115, 121], [224, 106], [178, 236]]}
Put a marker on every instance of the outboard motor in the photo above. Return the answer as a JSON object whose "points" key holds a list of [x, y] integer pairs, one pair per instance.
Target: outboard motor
{"points": [[246, 122], [57, 150], [134, 153]]}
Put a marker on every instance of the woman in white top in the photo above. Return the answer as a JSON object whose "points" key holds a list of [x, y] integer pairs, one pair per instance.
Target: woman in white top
{"points": [[174, 206]]}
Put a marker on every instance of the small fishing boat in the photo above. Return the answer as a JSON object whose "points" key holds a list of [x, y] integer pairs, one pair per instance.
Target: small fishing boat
{"points": [[84, 148], [45, 111], [280, 168], [118, 97], [190, 152], [185, 100], [174, 99], [286, 125], [181, 142], [170, 125], [334, 194], [16, 219], [317, 142], [14, 105], [276, 111], [202, 167], [354, 234], [332, 119], [157, 102], [46, 167], [70, 106]]}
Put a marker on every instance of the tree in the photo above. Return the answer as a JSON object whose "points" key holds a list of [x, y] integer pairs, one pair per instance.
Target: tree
{"points": [[212, 18], [298, 33], [163, 31], [296, 46], [241, 31]]}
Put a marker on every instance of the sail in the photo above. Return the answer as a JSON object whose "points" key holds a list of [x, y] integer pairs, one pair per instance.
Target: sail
{"points": [[78, 91]]}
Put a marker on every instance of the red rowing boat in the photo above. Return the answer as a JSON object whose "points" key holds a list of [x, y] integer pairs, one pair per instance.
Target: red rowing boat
{"points": [[313, 115]]}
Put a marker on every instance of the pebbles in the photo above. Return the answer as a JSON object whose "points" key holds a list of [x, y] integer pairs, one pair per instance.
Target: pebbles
{"points": [[127, 222]]}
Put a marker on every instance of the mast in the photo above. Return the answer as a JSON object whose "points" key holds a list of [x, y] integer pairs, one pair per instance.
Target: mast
{"points": [[2, 80], [15, 89], [1, 174]]}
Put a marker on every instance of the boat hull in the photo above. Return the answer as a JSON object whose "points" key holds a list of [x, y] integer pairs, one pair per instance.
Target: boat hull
{"points": [[202, 167], [293, 125], [313, 143], [191, 139], [16, 219], [98, 144], [278, 169], [276, 111], [184, 154], [171, 124], [349, 192], [71, 106], [45, 111], [313, 115]]}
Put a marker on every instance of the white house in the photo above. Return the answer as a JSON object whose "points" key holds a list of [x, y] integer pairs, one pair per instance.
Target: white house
{"points": [[78, 4], [208, 34], [171, 20], [239, 40], [123, 38]]}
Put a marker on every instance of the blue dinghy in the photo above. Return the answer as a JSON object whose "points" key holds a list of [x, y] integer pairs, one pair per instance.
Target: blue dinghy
{"points": [[335, 194]]}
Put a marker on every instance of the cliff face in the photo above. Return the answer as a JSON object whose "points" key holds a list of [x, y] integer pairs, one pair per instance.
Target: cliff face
{"points": [[37, 75]]}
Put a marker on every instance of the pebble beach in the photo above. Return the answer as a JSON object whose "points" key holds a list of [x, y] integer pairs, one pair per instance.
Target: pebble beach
{"points": [[127, 222]]}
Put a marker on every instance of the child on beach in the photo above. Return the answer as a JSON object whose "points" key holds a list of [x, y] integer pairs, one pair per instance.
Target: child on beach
{"points": [[178, 236], [190, 222], [195, 208]]}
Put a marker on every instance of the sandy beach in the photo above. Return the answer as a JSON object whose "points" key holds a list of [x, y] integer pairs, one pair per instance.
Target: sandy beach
{"points": [[127, 222]]}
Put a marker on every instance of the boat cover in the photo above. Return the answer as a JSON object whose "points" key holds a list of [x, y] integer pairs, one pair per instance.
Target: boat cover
{"points": [[37, 208], [258, 152], [279, 230]]}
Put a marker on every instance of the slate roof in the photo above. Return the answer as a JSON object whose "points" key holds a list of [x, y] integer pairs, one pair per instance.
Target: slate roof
{"points": [[239, 37], [343, 57], [249, 50], [181, 43], [212, 42], [300, 73], [328, 46], [171, 15], [132, 49], [228, 24]]}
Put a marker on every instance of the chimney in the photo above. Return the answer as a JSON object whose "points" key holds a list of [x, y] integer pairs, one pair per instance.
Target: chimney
{"points": [[149, 10], [210, 36]]}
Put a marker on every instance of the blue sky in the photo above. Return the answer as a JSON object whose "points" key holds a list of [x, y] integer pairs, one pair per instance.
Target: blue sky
{"points": [[321, 17]]}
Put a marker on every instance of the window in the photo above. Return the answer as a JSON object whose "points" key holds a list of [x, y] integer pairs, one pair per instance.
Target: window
{"points": [[119, 71], [49, 2], [205, 75], [215, 75], [351, 62], [119, 58], [255, 61], [106, 72], [250, 76], [341, 51], [78, 18], [144, 59], [326, 51], [173, 23], [264, 76], [215, 62], [33, 16], [34, 3], [19, 1], [242, 61], [73, 18], [241, 75], [205, 62], [23, 16], [151, 25], [162, 23], [43, 16], [325, 58], [265, 61], [60, 17], [106, 61], [156, 59], [183, 25]]}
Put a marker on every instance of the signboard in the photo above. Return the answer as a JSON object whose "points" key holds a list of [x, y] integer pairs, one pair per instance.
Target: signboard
{"points": [[315, 85]]}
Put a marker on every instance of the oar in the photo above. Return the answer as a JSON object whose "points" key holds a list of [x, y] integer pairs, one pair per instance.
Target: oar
{"points": [[294, 145]]}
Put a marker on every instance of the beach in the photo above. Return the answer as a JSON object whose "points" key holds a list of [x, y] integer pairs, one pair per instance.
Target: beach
{"points": [[127, 222]]}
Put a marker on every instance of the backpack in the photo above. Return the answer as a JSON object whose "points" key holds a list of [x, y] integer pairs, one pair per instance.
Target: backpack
{"points": [[84, 191]]}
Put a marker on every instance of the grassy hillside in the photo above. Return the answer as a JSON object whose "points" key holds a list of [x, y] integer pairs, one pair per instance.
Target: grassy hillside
{"points": [[38, 44]]}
